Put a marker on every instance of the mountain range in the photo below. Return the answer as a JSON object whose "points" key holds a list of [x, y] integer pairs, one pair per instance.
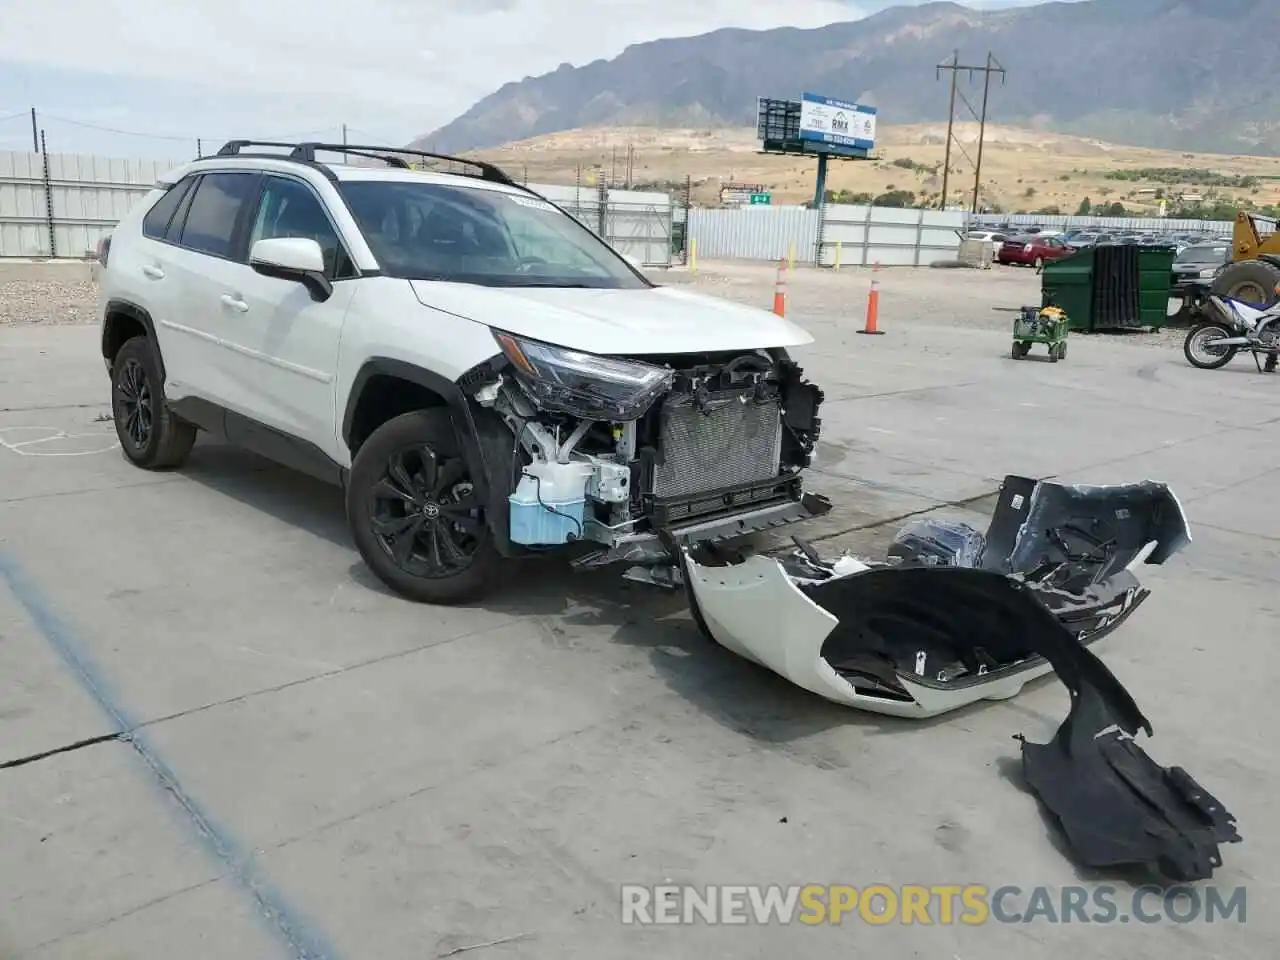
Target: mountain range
{"points": [[1157, 73]]}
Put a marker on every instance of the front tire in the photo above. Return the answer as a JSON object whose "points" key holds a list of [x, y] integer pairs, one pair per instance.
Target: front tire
{"points": [[150, 435], [1199, 354], [414, 513]]}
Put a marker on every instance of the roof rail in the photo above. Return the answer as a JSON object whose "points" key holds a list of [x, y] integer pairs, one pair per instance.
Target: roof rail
{"points": [[307, 151], [233, 147], [392, 156]]}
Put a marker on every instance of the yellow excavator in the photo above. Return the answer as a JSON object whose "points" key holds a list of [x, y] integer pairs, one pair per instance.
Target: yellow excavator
{"points": [[1254, 272]]}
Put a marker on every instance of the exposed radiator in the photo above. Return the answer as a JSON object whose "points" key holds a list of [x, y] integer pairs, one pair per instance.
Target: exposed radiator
{"points": [[733, 443]]}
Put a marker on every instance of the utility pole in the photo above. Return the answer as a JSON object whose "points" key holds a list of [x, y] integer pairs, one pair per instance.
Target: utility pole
{"points": [[35, 135], [344, 142], [955, 66], [199, 149], [993, 66]]}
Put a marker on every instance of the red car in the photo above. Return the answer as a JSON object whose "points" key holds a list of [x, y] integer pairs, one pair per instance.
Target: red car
{"points": [[1033, 251]]}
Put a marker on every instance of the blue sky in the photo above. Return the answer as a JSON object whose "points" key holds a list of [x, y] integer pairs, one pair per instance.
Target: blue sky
{"points": [[179, 70]]}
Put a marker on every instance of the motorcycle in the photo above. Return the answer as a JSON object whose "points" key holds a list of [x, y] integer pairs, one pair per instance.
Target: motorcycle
{"points": [[1238, 326]]}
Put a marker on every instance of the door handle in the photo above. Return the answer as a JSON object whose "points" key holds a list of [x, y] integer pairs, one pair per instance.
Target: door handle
{"points": [[153, 271], [235, 303]]}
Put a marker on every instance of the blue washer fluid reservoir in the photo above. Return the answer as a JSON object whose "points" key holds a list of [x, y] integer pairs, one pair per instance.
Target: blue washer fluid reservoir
{"points": [[549, 504]]}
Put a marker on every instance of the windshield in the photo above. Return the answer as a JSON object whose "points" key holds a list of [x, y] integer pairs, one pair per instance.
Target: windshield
{"points": [[463, 234], [1203, 255]]}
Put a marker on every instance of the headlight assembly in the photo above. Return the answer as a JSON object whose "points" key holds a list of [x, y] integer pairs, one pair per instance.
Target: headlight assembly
{"points": [[560, 380]]}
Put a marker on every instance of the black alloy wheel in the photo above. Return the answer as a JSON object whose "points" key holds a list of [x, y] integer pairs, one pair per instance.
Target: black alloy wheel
{"points": [[150, 435], [425, 515], [134, 389]]}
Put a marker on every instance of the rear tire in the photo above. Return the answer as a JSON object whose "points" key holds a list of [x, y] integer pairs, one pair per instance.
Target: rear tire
{"points": [[150, 435], [413, 511], [1249, 280], [1194, 344]]}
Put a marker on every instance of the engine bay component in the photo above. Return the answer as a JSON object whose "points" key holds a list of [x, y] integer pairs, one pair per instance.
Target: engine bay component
{"points": [[663, 449], [934, 627], [1115, 805], [547, 507]]}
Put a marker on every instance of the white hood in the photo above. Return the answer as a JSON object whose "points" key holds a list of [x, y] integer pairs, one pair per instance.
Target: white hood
{"points": [[646, 321]]}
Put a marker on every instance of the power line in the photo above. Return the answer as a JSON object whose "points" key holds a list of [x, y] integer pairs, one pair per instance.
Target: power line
{"points": [[105, 129], [14, 116], [169, 136]]}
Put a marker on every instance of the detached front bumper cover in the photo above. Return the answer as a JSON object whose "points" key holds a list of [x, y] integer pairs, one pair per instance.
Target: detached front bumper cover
{"points": [[950, 618]]}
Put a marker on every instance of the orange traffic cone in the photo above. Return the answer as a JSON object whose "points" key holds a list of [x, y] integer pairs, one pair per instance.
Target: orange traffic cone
{"points": [[780, 290], [873, 310]]}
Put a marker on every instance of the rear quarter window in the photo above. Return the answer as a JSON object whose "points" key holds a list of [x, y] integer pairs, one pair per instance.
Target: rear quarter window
{"points": [[156, 222]]}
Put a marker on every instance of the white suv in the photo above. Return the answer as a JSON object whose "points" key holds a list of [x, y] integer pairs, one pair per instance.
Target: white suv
{"points": [[484, 376]]}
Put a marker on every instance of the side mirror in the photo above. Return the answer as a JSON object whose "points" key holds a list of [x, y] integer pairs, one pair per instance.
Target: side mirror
{"points": [[293, 258]]}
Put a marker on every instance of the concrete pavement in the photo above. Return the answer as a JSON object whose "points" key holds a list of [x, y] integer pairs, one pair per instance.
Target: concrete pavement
{"points": [[264, 754]]}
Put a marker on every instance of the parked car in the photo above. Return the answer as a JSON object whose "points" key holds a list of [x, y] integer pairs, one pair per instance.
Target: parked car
{"points": [[1082, 240], [482, 375], [996, 239], [1201, 262], [1033, 251]]}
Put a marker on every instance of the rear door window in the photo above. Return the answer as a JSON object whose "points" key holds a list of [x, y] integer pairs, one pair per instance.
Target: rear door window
{"points": [[217, 211]]}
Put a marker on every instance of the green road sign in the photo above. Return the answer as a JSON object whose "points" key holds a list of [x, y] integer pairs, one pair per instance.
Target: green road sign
{"points": [[766, 198]]}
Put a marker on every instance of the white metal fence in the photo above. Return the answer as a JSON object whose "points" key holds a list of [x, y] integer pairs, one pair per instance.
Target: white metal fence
{"points": [[889, 236], [851, 235], [64, 208], [754, 233]]}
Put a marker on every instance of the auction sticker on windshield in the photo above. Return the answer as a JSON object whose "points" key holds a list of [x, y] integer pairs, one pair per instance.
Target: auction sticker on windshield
{"points": [[533, 202]]}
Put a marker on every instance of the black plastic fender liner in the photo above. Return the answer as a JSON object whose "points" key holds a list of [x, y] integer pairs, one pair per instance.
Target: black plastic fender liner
{"points": [[1097, 531], [1115, 805]]}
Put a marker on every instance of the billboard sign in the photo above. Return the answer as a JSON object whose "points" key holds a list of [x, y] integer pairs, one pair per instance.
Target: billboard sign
{"points": [[824, 120]]}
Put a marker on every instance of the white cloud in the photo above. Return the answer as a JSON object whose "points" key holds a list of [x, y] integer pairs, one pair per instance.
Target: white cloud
{"points": [[394, 67]]}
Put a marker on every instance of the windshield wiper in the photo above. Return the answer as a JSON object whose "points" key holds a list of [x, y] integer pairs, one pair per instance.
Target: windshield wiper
{"points": [[557, 285]]}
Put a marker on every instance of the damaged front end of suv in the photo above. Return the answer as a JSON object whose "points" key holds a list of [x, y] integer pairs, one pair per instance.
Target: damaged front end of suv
{"points": [[641, 455], [948, 618]]}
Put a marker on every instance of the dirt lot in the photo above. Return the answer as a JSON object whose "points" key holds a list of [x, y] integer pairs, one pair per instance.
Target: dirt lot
{"points": [[220, 738]]}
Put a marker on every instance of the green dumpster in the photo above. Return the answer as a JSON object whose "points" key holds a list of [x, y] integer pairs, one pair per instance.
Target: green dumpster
{"points": [[1068, 283], [1120, 287], [1155, 284]]}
